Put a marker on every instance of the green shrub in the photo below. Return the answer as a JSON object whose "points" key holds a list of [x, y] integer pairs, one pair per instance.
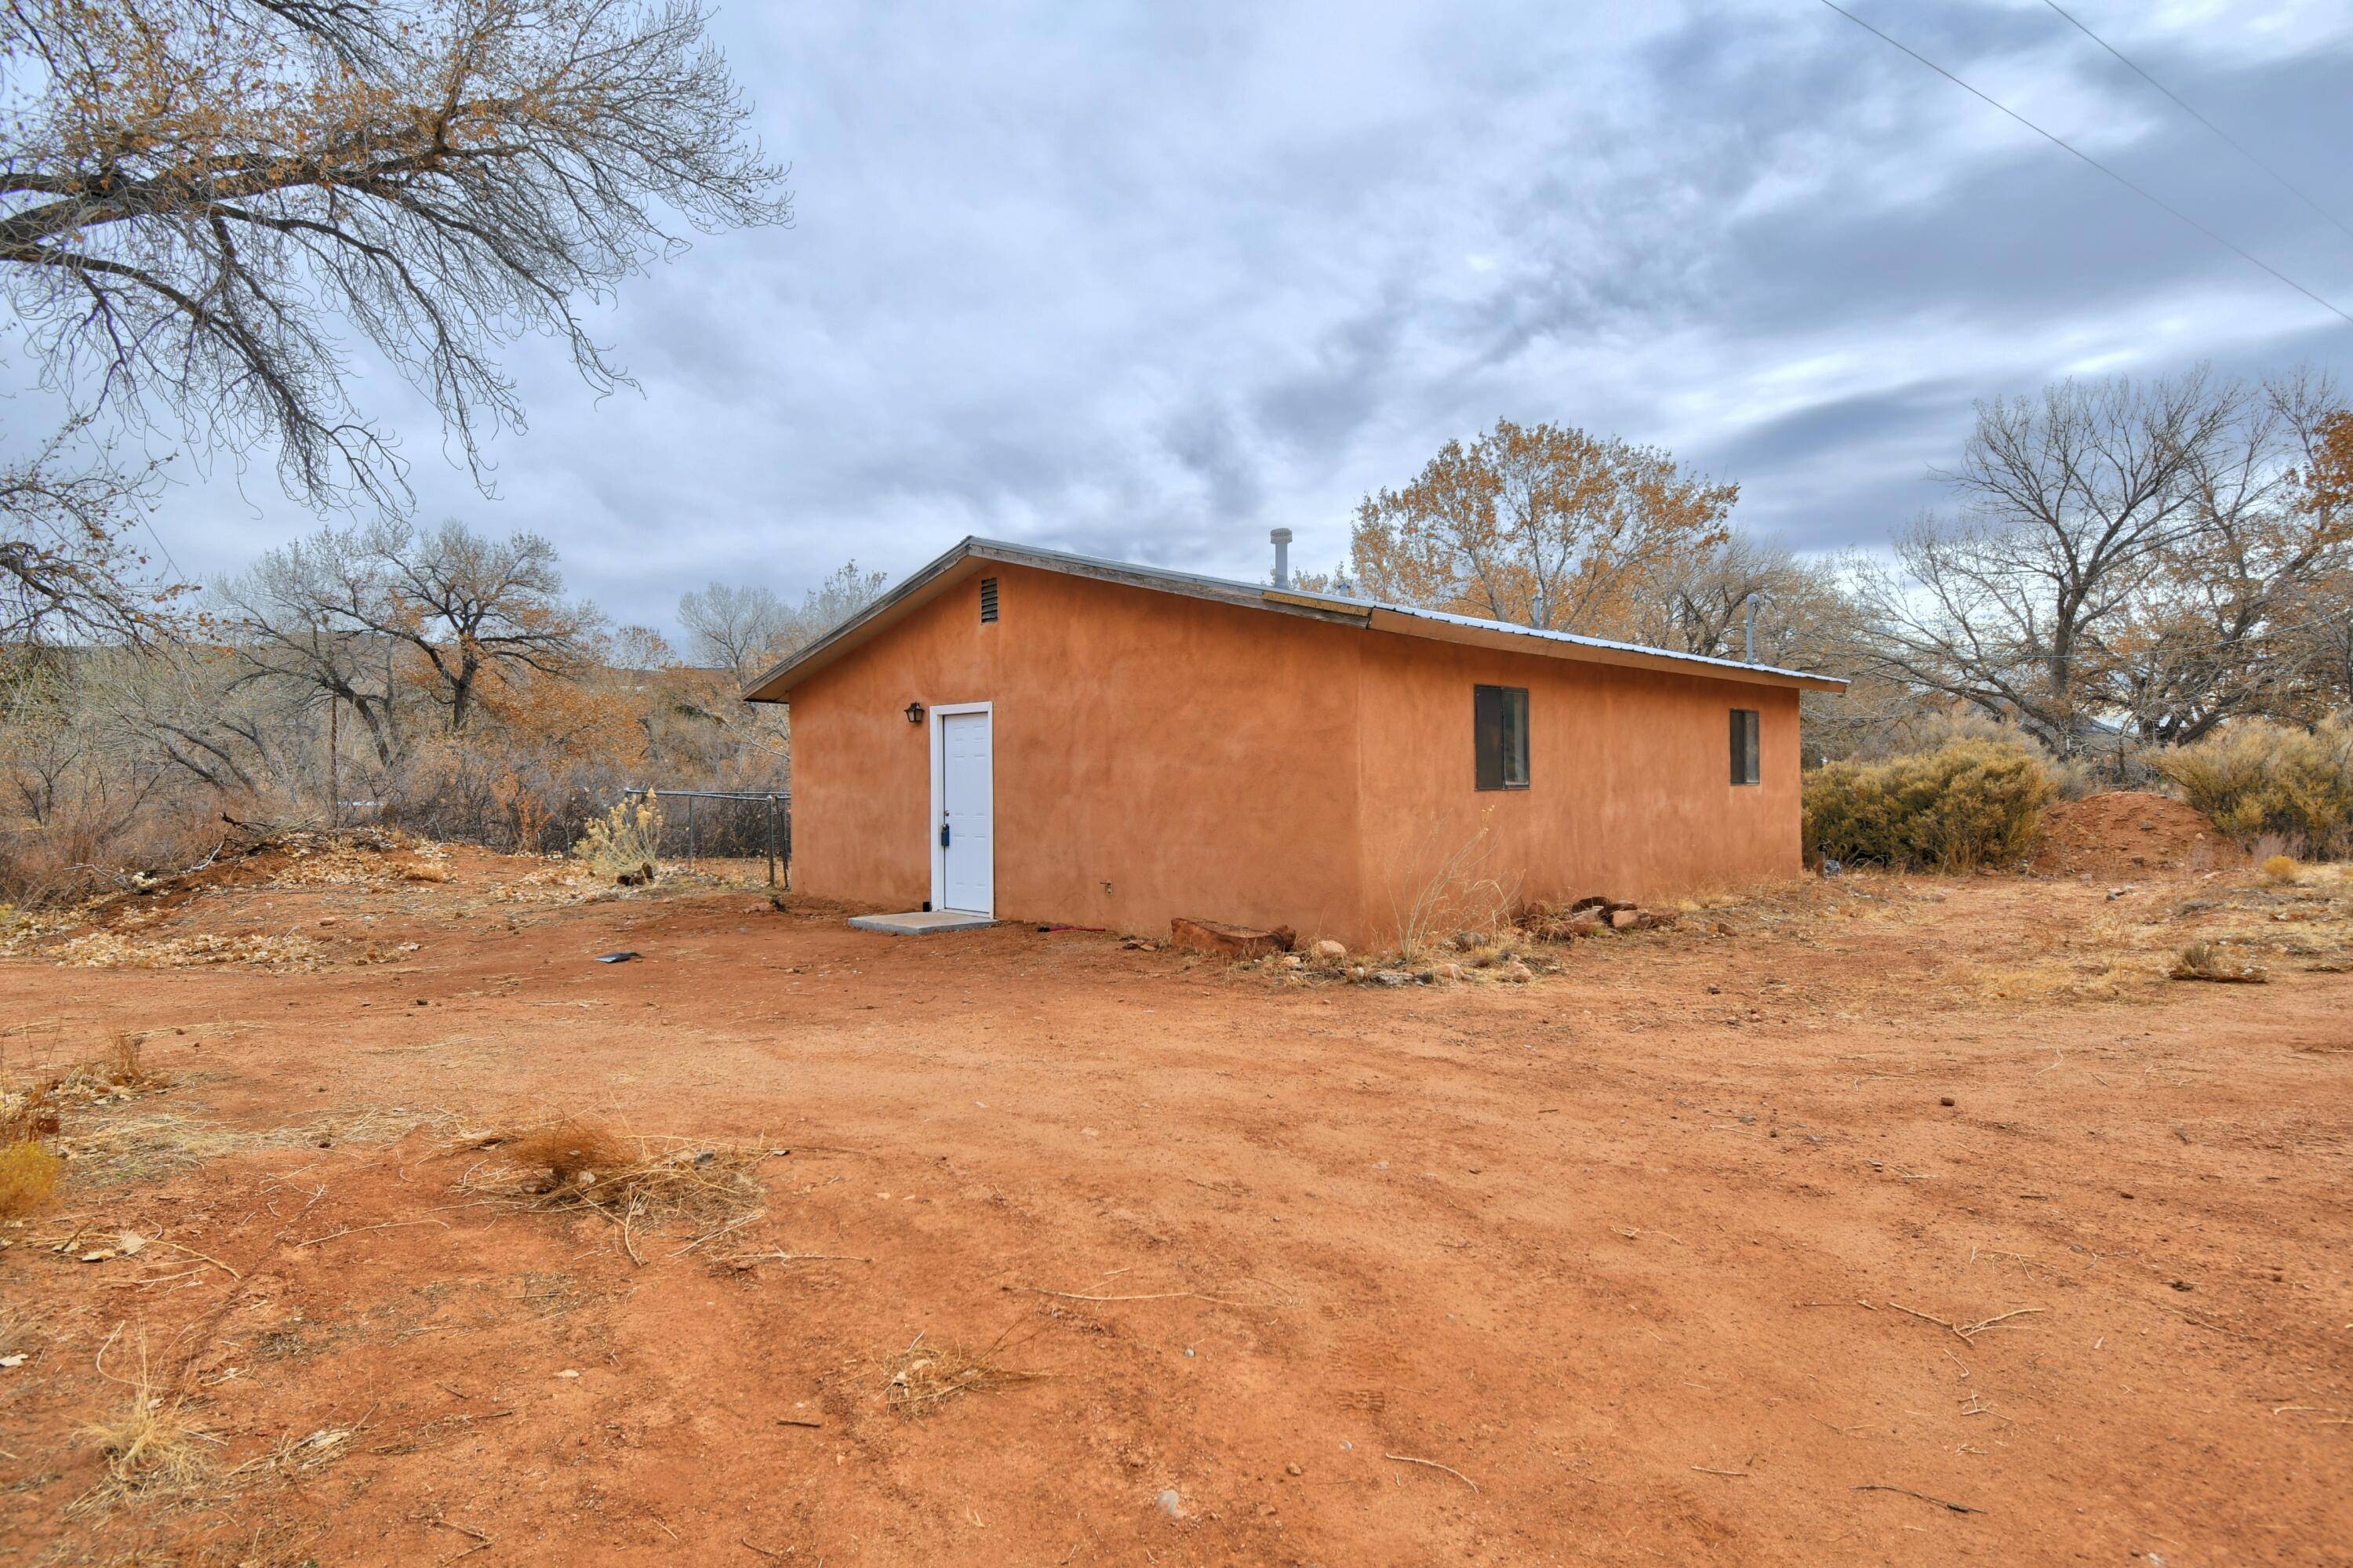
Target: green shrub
{"points": [[1968, 803], [2255, 778]]}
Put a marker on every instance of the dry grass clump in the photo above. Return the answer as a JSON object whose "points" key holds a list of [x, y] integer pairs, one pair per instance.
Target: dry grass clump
{"points": [[579, 1163], [426, 871], [28, 1174], [140, 1146], [2282, 869], [120, 1071], [2208, 961], [927, 1374], [27, 1111], [1442, 890], [151, 1446]]}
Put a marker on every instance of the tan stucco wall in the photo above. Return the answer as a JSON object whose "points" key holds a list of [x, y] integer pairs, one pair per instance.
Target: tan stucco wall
{"points": [[1211, 760], [1629, 792], [1198, 757]]}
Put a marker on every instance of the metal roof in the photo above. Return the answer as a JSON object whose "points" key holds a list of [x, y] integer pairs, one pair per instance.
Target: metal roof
{"points": [[962, 561]]}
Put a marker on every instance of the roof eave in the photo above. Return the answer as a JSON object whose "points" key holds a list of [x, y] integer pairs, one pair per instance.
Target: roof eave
{"points": [[929, 581], [959, 561]]}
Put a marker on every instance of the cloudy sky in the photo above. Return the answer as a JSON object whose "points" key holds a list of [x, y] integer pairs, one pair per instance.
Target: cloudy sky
{"points": [[1146, 280]]}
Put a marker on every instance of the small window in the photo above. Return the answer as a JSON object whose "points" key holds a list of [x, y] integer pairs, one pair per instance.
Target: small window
{"points": [[1499, 731], [1745, 769], [988, 600]]}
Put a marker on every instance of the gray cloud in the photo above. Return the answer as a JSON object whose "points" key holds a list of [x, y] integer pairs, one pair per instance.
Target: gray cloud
{"points": [[1147, 281]]}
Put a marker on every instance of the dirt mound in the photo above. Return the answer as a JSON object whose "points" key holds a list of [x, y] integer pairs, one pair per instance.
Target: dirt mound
{"points": [[2127, 833]]}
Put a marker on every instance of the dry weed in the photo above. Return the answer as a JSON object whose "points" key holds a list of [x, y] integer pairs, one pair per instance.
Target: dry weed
{"points": [[927, 1374], [579, 1163], [151, 1448], [2280, 870], [2208, 961], [27, 1111], [119, 1071], [1443, 890]]}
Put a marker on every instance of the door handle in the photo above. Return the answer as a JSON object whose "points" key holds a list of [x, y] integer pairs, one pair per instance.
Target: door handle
{"points": [[944, 835]]}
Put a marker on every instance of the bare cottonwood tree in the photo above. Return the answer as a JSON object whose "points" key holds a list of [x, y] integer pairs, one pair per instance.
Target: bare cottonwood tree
{"points": [[744, 628], [198, 198], [303, 619], [68, 561], [732, 626], [2221, 628], [2070, 505]]}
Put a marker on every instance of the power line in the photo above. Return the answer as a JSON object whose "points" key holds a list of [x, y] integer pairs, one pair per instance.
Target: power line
{"points": [[2143, 192], [2237, 146]]}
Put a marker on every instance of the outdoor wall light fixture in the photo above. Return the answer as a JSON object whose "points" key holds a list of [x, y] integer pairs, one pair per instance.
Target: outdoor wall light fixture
{"points": [[914, 712]]}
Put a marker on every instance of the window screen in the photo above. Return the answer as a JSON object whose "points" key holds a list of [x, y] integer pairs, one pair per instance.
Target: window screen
{"points": [[1744, 746], [1498, 732], [987, 599]]}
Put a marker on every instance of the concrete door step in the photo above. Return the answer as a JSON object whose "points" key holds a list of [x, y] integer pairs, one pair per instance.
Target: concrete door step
{"points": [[922, 922]]}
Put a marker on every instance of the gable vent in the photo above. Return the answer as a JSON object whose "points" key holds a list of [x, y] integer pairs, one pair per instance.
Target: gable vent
{"points": [[988, 600]]}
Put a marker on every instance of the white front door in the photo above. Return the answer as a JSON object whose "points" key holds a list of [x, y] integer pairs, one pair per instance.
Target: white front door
{"points": [[964, 876]]}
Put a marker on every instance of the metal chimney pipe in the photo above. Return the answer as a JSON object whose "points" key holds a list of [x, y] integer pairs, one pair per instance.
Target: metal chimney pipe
{"points": [[1281, 537], [1750, 635]]}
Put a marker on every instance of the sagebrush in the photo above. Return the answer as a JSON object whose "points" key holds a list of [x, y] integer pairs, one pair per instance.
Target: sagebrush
{"points": [[1967, 804], [2256, 778]]}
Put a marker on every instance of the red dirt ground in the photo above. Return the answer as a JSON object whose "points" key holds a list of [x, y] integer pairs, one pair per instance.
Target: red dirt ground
{"points": [[1647, 1255]]}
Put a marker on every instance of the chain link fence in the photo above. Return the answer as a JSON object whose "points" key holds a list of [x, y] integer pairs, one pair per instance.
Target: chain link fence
{"points": [[738, 832]]}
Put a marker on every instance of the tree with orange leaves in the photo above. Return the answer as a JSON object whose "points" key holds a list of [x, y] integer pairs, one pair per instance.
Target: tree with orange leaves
{"points": [[1542, 524]]}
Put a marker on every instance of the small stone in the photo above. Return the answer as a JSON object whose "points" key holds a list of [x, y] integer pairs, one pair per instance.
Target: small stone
{"points": [[1946, 1101], [1518, 973], [1392, 977], [1330, 951], [1170, 1504], [567, 1372], [1293, 1468]]}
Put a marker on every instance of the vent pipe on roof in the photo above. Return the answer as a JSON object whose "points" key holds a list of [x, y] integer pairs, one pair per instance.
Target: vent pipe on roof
{"points": [[1281, 537], [1750, 638]]}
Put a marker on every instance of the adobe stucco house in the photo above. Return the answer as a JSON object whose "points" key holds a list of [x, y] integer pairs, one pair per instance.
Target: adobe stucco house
{"points": [[1035, 736]]}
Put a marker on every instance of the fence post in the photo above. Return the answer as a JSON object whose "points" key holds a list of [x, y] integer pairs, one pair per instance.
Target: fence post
{"points": [[772, 841], [690, 832]]}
